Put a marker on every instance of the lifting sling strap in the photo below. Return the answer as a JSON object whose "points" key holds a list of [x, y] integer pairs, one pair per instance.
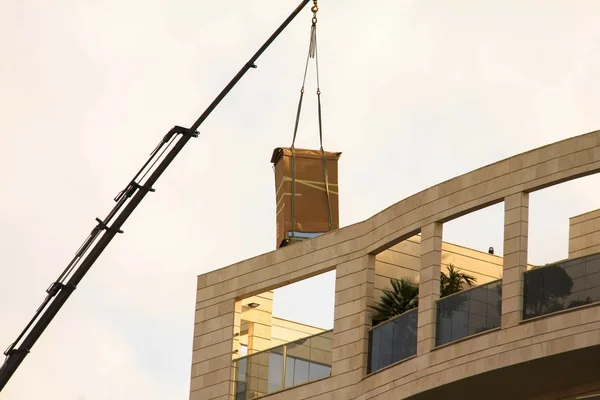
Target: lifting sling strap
{"points": [[312, 53]]}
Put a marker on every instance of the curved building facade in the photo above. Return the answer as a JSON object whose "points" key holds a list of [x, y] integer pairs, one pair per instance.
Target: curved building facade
{"points": [[524, 332]]}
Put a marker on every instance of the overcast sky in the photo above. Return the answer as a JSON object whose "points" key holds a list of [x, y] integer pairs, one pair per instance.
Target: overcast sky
{"points": [[414, 93]]}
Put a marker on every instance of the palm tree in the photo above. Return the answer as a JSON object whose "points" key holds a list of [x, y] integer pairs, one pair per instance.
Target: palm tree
{"points": [[454, 282], [404, 295]]}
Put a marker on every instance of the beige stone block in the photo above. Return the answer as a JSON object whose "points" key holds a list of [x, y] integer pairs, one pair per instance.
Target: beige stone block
{"points": [[426, 317], [430, 230], [546, 168], [430, 272], [207, 313], [214, 324], [213, 364], [431, 258], [513, 289], [514, 230], [428, 303], [349, 364], [351, 280], [351, 294], [211, 392], [575, 231], [512, 304], [425, 332], [212, 378], [575, 159], [584, 252], [351, 267], [201, 281], [511, 260], [454, 199], [516, 259], [205, 293], [585, 241], [431, 287], [585, 227], [350, 308], [224, 397], [577, 219], [425, 346], [350, 336], [216, 300], [221, 275], [348, 350], [213, 338], [213, 351], [518, 214], [431, 244], [349, 322], [515, 244], [371, 276], [513, 274], [516, 200]]}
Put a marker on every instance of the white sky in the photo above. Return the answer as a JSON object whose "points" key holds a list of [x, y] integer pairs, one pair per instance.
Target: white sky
{"points": [[414, 92]]}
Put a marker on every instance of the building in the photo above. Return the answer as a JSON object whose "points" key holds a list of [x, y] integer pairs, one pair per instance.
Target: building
{"points": [[525, 332]]}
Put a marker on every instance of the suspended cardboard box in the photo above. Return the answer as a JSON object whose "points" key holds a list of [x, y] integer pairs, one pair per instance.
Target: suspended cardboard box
{"points": [[311, 204]]}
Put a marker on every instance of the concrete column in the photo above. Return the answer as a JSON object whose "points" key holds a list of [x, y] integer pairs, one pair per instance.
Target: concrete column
{"points": [[237, 322], [212, 372], [260, 321], [429, 285], [354, 287], [516, 226]]}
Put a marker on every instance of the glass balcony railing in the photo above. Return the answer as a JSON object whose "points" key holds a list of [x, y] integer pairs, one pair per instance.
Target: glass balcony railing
{"points": [[469, 312], [562, 285], [393, 341], [282, 367]]}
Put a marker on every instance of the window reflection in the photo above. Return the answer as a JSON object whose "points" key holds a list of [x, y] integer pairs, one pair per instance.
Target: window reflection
{"points": [[393, 341], [303, 361], [469, 312], [562, 285]]}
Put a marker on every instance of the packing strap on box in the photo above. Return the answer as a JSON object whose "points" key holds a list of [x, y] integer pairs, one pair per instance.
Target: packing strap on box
{"points": [[312, 54]]}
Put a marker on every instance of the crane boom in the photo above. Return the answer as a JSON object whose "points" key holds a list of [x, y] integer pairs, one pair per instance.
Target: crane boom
{"points": [[102, 234]]}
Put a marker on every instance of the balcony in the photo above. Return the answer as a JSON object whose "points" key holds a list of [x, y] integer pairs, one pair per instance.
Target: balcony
{"points": [[393, 341], [469, 312], [562, 285], [283, 367]]}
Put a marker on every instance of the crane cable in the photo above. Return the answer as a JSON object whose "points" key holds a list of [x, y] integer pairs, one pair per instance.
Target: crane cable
{"points": [[312, 53]]}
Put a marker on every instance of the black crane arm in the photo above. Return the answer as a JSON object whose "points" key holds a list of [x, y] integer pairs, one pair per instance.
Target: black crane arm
{"points": [[101, 235]]}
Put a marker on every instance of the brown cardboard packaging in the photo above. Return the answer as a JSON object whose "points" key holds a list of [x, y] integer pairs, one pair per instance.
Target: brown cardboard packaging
{"points": [[311, 208]]}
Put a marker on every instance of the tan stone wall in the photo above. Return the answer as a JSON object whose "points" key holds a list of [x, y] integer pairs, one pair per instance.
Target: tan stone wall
{"points": [[350, 251], [584, 234]]}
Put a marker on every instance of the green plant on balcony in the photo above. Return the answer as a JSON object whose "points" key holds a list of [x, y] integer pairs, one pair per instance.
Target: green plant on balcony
{"points": [[455, 281], [552, 285], [404, 294], [402, 297]]}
